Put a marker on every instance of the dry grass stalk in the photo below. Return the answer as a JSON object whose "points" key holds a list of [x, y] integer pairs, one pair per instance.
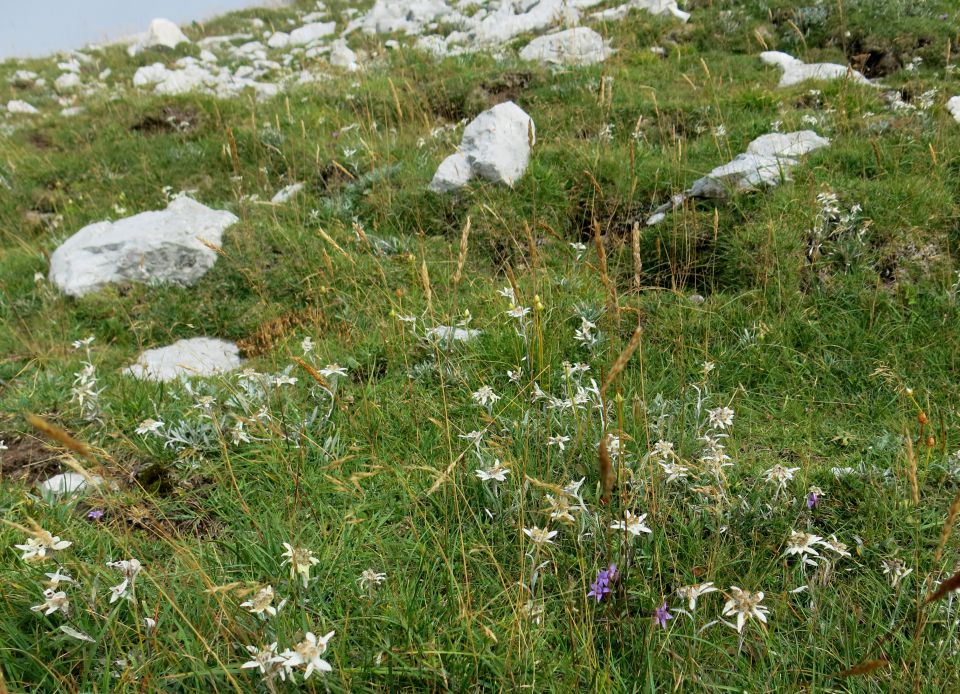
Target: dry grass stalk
{"points": [[462, 257], [912, 471], [314, 374], [952, 513], [329, 239], [947, 587], [606, 470], [604, 275], [863, 668], [532, 246], [425, 279], [622, 360], [637, 260], [60, 436]]}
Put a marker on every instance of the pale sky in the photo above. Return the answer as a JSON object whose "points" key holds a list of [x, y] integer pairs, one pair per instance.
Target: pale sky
{"points": [[38, 27]]}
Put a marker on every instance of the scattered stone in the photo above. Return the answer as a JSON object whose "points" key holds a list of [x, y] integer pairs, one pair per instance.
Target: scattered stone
{"points": [[194, 76], [286, 194], [71, 111], [766, 162], [198, 356], [66, 82], [953, 106], [796, 71], [66, 483], [162, 33], [157, 247], [342, 57], [448, 334], [656, 7], [18, 106], [579, 46], [279, 39], [696, 299], [21, 79], [311, 32]]}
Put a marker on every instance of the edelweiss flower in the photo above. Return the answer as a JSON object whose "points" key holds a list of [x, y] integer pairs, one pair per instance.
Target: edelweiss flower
{"points": [[836, 546], [306, 345], [120, 591], [559, 508], [632, 524], [540, 536], [56, 578], [54, 601], [745, 605], [333, 370], [802, 545], [662, 450], [498, 472], [149, 426], [301, 560], [896, 569], [721, 417], [307, 653], [558, 441], [264, 659], [262, 602], [692, 593], [485, 397], [779, 476], [518, 312], [370, 579], [41, 545], [674, 471]]}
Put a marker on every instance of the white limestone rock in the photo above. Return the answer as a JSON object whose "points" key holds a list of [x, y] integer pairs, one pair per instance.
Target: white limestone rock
{"points": [[454, 172], [766, 163], [286, 194], [796, 71], [953, 106], [448, 334], [578, 46], [67, 82], [342, 57], [497, 143], [162, 33], [495, 146], [279, 39], [156, 247], [18, 106], [67, 483], [198, 356], [656, 7], [311, 32]]}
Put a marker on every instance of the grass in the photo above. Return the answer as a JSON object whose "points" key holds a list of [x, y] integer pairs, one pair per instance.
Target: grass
{"points": [[829, 360]]}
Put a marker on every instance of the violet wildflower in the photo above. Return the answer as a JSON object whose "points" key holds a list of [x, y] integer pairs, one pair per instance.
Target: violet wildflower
{"points": [[812, 500], [605, 579], [661, 615], [95, 514]]}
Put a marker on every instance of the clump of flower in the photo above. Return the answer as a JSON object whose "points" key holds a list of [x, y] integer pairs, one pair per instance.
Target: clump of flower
{"points": [[779, 476], [631, 524], [261, 604], [745, 605], [896, 570], [540, 536], [370, 579], [307, 654], [41, 546], [603, 586], [130, 569], [301, 560], [692, 593]]}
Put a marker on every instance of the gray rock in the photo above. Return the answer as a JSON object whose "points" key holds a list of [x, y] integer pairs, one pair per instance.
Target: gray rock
{"points": [[160, 247], [66, 483], [311, 32], [796, 71], [579, 46], [286, 194], [162, 33], [497, 143], [766, 163], [198, 356], [953, 106]]}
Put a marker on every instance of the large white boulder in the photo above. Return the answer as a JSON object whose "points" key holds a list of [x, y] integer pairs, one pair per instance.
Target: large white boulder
{"points": [[953, 106], [165, 246], [495, 146], [497, 143], [657, 7], [162, 33], [67, 483], [342, 56], [18, 106], [198, 356], [796, 71], [578, 46]]}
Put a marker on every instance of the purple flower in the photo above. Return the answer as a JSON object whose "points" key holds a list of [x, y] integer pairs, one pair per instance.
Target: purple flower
{"points": [[812, 500], [661, 615], [95, 514], [605, 578]]}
